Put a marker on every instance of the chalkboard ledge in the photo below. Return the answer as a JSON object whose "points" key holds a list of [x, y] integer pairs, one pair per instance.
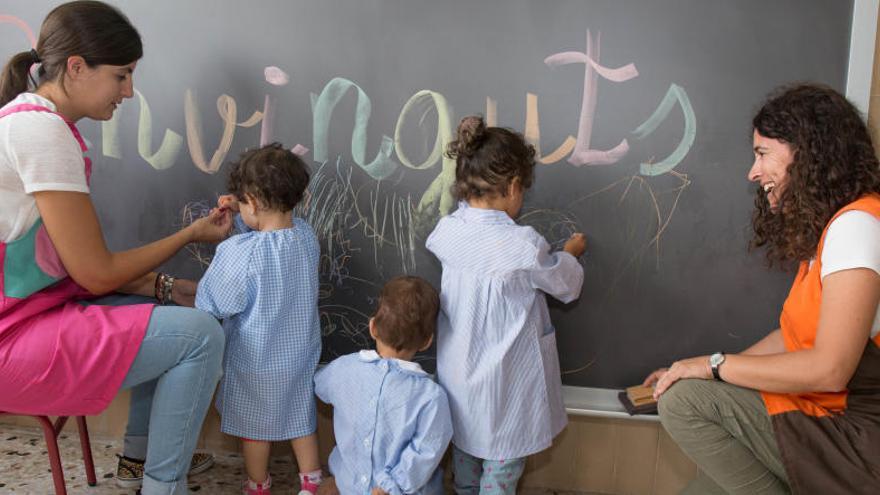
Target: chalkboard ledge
{"points": [[591, 401], [598, 402]]}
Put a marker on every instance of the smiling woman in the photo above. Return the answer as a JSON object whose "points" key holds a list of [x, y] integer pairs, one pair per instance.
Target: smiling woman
{"points": [[799, 410], [61, 351], [772, 158]]}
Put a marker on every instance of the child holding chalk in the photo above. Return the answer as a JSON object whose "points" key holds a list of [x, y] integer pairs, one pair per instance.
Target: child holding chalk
{"points": [[496, 346], [263, 284]]}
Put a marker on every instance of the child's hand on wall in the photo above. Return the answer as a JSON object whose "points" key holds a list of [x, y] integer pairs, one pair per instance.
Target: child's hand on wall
{"points": [[576, 245]]}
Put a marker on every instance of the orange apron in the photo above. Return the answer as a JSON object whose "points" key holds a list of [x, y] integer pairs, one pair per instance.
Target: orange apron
{"points": [[830, 442]]}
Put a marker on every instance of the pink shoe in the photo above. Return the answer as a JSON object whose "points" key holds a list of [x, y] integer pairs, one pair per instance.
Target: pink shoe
{"points": [[307, 485], [249, 487], [308, 490]]}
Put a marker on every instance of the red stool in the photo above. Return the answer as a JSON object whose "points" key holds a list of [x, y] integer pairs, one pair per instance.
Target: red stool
{"points": [[50, 432]]}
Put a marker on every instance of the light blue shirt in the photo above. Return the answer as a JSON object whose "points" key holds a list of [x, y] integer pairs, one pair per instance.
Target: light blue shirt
{"points": [[264, 286], [496, 346], [391, 423]]}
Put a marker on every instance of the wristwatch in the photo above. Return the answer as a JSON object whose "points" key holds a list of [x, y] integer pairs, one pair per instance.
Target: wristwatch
{"points": [[715, 361]]}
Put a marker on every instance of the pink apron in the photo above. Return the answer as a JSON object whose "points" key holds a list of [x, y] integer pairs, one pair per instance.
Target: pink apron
{"points": [[58, 357]]}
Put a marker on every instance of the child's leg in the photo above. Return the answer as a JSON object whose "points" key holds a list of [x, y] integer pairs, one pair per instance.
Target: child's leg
{"points": [[466, 470], [256, 459], [306, 451], [501, 477]]}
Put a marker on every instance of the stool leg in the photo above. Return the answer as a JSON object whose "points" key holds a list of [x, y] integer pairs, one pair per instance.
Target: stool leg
{"points": [[54, 455], [87, 450], [59, 424]]}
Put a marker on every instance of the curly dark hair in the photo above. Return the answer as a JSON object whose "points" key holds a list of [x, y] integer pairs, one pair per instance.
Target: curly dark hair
{"points": [[271, 174], [407, 314], [833, 165], [487, 159]]}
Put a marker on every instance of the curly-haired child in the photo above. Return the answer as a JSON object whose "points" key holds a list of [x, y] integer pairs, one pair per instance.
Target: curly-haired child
{"points": [[263, 284]]}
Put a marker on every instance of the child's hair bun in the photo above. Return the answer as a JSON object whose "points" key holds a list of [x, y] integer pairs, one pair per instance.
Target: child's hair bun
{"points": [[471, 132], [487, 159]]}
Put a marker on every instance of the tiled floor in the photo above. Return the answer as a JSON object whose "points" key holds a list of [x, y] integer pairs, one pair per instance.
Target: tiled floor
{"points": [[24, 468]]}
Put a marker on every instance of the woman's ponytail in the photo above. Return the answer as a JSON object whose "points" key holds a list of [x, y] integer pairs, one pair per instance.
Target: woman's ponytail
{"points": [[93, 30], [14, 79]]}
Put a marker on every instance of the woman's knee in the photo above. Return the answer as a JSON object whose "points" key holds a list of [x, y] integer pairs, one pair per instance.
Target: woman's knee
{"points": [[205, 335], [210, 328], [210, 333], [677, 406]]}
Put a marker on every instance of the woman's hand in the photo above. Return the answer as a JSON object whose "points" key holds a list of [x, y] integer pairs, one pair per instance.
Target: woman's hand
{"points": [[654, 377], [183, 292], [697, 367], [378, 491], [212, 228]]}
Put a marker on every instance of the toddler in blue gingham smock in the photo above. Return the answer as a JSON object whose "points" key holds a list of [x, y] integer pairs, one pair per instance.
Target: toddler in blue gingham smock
{"points": [[264, 286]]}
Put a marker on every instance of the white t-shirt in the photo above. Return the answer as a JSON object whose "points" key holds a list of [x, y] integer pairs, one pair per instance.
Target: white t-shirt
{"points": [[853, 241], [37, 153]]}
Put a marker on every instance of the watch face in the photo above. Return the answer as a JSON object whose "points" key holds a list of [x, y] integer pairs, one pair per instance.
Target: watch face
{"points": [[716, 359]]}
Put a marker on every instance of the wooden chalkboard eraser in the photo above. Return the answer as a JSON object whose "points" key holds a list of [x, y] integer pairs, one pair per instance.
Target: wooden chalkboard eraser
{"points": [[638, 400], [640, 396]]}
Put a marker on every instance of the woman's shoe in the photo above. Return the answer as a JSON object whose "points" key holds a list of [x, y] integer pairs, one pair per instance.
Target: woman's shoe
{"points": [[130, 472]]}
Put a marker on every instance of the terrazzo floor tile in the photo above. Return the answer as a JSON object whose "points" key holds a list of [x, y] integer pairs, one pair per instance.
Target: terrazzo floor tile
{"points": [[24, 468]]}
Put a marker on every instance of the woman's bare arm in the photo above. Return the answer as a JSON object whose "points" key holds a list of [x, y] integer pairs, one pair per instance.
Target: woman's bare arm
{"points": [[771, 344], [73, 227], [847, 312]]}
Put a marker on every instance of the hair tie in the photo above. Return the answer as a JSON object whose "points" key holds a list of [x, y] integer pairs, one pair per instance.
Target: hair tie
{"points": [[34, 56]]}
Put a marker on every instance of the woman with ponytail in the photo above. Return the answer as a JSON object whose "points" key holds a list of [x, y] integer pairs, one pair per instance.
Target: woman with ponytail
{"points": [[60, 355]]}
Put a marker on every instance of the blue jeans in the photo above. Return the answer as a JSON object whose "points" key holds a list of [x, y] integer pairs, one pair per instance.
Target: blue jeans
{"points": [[172, 380]]}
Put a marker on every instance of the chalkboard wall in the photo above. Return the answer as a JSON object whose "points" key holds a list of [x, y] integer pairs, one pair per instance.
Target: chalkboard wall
{"points": [[640, 110]]}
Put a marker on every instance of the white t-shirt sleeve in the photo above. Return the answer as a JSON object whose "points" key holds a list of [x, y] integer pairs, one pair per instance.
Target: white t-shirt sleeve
{"points": [[45, 153], [852, 241]]}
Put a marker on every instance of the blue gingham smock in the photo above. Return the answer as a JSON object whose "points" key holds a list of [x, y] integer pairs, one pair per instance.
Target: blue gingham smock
{"points": [[496, 345], [264, 286], [391, 422]]}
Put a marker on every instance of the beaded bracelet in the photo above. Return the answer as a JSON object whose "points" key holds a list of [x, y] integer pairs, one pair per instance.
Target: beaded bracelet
{"points": [[164, 284]]}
